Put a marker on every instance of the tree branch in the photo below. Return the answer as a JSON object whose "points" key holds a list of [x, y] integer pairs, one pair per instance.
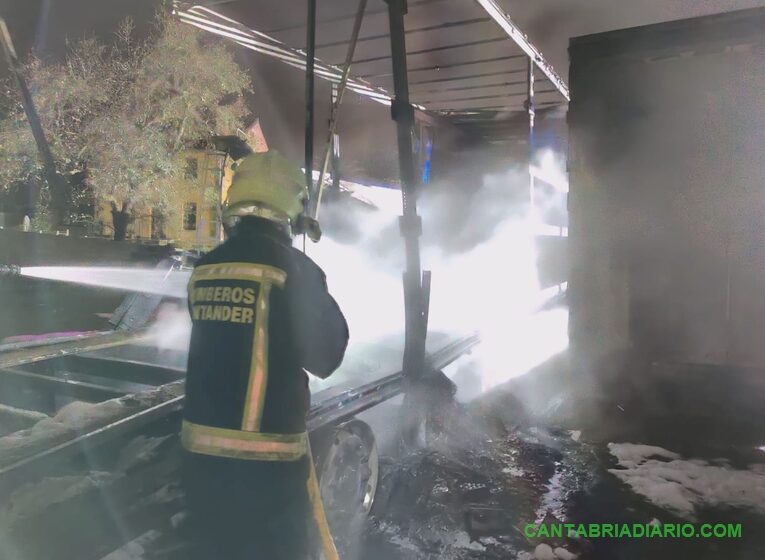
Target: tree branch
{"points": [[177, 144]]}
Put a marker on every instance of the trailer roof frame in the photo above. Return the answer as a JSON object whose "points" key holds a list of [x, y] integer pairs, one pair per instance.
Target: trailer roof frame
{"points": [[365, 79]]}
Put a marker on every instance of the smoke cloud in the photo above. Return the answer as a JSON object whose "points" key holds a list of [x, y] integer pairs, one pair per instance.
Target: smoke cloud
{"points": [[478, 241]]}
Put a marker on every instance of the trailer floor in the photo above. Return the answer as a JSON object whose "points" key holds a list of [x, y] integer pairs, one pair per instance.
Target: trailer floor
{"points": [[471, 492], [467, 495], [472, 499]]}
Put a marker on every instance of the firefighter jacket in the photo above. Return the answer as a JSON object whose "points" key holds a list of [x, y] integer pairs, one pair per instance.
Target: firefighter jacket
{"points": [[261, 318]]}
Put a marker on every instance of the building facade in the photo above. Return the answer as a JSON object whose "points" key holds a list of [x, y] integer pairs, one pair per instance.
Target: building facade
{"points": [[192, 220]]}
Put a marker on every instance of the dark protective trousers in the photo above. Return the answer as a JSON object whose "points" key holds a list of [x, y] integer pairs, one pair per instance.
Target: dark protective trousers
{"points": [[248, 510]]}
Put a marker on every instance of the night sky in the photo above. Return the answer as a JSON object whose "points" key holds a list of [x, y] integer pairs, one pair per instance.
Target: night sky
{"points": [[46, 24]]}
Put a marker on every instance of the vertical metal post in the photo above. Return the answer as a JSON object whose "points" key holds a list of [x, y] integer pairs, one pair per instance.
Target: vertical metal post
{"points": [[338, 91], [532, 115], [336, 163], [410, 223], [332, 157], [310, 50], [333, 147], [57, 191]]}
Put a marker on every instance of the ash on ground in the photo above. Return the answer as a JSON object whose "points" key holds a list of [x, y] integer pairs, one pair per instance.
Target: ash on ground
{"points": [[473, 489]]}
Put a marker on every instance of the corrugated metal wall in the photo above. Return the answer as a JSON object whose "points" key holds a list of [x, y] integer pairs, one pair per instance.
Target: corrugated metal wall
{"points": [[667, 200]]}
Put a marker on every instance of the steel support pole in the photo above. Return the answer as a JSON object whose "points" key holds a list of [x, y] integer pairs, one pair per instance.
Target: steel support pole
{"points": [[410, 223], [415, 298], [57, 191], [310, 41], [334, 149], [319, 189], [335, 160], [532, 115]]}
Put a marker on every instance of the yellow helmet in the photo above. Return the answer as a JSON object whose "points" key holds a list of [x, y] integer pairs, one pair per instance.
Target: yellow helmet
{"points": [[266, 185]]}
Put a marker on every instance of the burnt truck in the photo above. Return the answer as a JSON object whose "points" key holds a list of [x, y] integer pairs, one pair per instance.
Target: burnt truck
{"points": [[667, 204]]}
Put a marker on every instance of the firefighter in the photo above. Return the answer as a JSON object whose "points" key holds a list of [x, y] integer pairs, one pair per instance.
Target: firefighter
{"points": [[262, 317]]}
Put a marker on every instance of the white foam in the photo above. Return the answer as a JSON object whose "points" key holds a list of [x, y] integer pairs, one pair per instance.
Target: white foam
{"points": [[462, 540], [563, 554], [630, 454], [681, 485], [544, 552]]}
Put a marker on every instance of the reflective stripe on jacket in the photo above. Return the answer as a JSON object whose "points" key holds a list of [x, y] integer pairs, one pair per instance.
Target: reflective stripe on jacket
{"points": [[239, 444]]}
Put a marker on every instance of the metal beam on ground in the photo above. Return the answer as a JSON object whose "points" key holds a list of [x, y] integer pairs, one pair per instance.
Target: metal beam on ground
{"points": [[7, 347], [14, 473], [354, 401], [520, 39], [68, 385], [22, 356]]}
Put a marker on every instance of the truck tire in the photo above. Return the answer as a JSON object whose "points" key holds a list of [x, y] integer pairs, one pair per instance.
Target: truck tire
{"points": [[348, 476]]}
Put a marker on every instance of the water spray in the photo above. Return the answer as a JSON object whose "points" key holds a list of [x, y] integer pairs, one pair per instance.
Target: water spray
{"points": [[170, 283], [10, 270]]}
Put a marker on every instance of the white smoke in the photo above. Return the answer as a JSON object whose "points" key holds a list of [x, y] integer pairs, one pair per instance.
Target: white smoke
{"points": [[494, 289], [171, 328], [491, 286], [484, 280], [366, 285]]}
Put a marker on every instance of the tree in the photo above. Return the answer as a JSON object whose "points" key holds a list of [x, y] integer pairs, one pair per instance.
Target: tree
{"points": [[123, 113]]}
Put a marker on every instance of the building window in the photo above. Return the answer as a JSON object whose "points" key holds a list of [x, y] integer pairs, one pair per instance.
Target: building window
{"points": [[192, 168], [190, 216]]}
